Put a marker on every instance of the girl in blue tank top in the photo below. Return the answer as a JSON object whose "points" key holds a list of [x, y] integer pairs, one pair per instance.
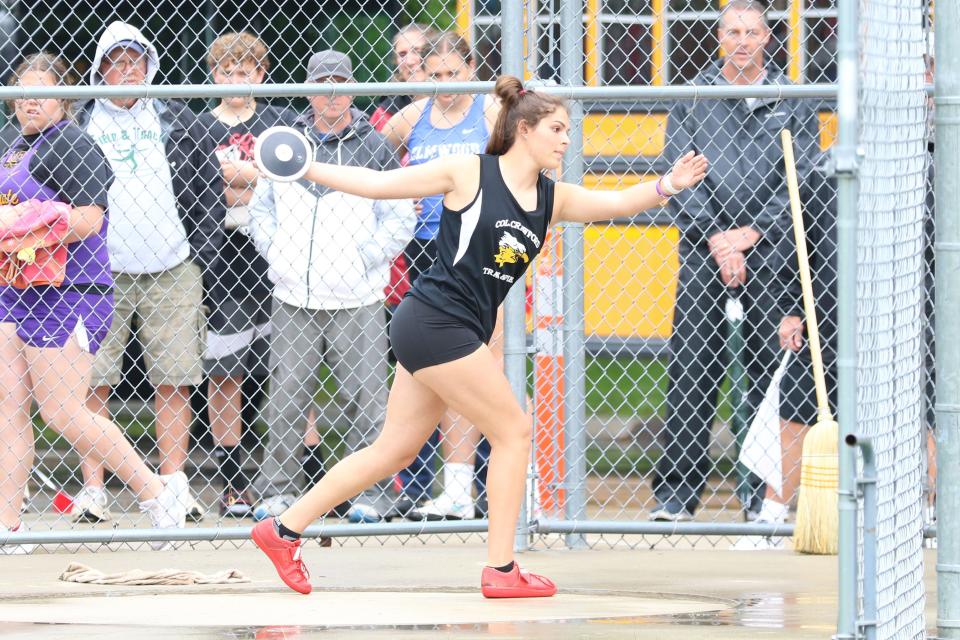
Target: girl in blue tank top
{"points": [[448, 125], [497, 210], [48, 333], [445, 126]]}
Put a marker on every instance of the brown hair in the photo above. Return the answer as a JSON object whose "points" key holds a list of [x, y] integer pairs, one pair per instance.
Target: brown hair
{"points": [[449, 42], [238, 47], [45, 63], [743, 5], [428, 33], [518, 104], [425, 31]]}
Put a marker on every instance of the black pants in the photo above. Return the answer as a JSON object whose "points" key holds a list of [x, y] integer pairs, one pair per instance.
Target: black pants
{"points": [[699, 359]]}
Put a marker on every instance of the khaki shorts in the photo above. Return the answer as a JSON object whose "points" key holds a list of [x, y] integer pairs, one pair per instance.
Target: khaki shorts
{"points": [[171, 326]]}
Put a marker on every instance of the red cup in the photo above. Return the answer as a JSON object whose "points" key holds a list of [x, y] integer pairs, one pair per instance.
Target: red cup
{"points": [[62, 502]]}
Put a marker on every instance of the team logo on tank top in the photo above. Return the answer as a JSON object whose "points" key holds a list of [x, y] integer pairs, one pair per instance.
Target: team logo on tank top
{"points": [[510, 251]]}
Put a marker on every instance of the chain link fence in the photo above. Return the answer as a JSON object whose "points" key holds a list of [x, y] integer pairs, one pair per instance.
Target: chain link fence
{"points": [[246, 341]]}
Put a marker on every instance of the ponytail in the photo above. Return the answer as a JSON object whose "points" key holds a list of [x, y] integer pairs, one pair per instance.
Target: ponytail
{"points": [[518, 104]]}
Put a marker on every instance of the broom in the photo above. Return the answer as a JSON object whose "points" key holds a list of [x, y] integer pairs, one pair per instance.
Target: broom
{"points": [[817, 524]]}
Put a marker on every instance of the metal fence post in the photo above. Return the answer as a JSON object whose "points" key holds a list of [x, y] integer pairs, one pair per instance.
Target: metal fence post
{"points": [[947, 162], [574, 400], [845, 156], [515, 331]]}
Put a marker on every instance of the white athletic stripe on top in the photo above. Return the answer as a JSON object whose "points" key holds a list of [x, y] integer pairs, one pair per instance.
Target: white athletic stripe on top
{"points": [[468, 224]]}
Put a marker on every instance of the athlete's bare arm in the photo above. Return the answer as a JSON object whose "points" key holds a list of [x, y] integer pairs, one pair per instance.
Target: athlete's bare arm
{"points": [[573, 203], [452, 176]]}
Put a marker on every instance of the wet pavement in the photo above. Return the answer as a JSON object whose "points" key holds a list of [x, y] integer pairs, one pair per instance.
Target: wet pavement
{"points": [[415, 590]]}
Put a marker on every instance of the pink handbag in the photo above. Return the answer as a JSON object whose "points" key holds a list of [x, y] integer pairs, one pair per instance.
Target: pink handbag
{"points": [[32, 251]]}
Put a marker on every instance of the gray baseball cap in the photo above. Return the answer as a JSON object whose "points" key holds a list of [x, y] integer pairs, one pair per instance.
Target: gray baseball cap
{"points": [[329, 63]]}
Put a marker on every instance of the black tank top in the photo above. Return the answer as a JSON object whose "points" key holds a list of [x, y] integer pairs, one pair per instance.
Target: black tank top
{"points": [[483, 249]]}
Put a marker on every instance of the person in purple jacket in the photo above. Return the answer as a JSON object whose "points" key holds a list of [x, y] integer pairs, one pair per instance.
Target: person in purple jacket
{"points": [[48, 334]]}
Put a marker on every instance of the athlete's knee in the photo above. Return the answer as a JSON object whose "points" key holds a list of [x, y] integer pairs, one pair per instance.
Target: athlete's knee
{"points": [[394, 456], [516, 433]]}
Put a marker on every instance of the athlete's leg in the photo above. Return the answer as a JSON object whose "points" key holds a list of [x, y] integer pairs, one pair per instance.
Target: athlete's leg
{"points": [[476, 387]]}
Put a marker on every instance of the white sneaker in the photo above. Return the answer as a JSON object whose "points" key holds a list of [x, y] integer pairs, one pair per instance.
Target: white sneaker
{"points": [[444, 508], [663, 514], [168, 510], [758, 543], [90, 505], [11, 549], [273, 506], [195, 510]]}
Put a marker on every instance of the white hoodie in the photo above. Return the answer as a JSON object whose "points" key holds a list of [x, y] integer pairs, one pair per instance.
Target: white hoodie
{"points": [[327, 249], [146, 233]]}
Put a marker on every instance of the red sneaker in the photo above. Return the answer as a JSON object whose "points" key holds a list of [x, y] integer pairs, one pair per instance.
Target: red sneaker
{"points": [[515, 584], [284, 554]]}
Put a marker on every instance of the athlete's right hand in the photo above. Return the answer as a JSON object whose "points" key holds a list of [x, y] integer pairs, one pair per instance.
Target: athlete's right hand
{"points": [[688, 170]]}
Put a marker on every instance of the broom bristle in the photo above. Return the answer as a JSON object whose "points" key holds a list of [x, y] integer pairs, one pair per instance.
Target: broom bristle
{"points": [[817, 527]]}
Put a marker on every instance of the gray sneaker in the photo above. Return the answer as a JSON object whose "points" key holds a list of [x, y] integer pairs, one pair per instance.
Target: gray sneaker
{"points": [[273, 506]]}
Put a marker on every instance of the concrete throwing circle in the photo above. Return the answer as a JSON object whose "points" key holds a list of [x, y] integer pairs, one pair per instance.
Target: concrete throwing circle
{"points": [[339, 608]]}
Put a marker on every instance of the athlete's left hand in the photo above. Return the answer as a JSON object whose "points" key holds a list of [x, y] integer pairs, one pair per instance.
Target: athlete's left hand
{"points": [[688, 170]]}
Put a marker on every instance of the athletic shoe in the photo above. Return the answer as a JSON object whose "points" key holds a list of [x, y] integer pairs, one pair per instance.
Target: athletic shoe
{"points": [[90, 505], [758, 543], [363, 512], [273, 506], [405, 505], [285, 556], [663, 514], [10, 549], [515, 584], [443, 508], [195, 511], [168, 510], [235, 504]]}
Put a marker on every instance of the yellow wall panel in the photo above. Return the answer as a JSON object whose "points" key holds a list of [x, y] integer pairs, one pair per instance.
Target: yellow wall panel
{"points": [[644, 134], [624, 134], [828, 129], [631, 274]]}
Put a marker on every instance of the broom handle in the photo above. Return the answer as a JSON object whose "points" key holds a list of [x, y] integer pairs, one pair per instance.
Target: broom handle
{"points": [[806, 283]]}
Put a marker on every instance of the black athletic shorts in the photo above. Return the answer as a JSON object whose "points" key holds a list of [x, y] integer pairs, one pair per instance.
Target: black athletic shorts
{"points": [[423, 336]]}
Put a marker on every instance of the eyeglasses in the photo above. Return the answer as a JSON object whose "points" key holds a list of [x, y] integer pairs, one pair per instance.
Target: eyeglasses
{"points": [[125, 63]]}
